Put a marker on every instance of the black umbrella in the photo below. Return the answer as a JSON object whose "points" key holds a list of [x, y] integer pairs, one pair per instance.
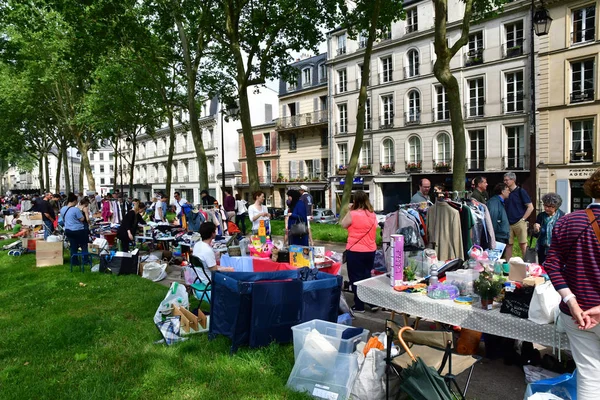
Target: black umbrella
{"points": [[420, 381]]}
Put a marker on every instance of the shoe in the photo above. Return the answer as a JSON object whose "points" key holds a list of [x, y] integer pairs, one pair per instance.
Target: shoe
{"points": [[374, 308], [358, 311]]}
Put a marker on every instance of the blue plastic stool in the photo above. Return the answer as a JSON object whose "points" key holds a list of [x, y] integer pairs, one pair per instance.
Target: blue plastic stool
{"points": [[80, 257]]}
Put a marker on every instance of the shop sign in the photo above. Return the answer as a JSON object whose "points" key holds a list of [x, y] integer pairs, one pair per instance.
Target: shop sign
{"points": [[581, 172], [355, 181]]}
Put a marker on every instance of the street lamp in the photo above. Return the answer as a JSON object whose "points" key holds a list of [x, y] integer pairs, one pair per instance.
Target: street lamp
{"points": [[540, 26], [230, 111]]}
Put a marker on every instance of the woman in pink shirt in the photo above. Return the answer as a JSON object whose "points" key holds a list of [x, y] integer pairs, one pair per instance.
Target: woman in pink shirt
{"points": [[106, 213], [361, 223]]}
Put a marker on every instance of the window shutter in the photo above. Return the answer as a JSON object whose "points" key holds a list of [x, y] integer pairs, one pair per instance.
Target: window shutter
{"points": [[284, 110], [297, 108], [317, 166], [273, 142], [316, 104], [300, 169], [291, 168]]}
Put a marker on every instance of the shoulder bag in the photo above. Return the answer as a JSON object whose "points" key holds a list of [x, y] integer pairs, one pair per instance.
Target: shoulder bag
{"points": [[344, 254]]}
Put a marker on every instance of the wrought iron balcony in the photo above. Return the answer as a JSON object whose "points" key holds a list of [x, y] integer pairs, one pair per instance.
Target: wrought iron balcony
{"points": [[412, 28], [386, 122], [580, 156], [476, 164], [474, 57], [474, 111], [412, 117], [386, 76], [514, 162], [579, 96], [441, 114], [341, 50], [515, 49], [411, 71], [583, 35], [300, 120]]}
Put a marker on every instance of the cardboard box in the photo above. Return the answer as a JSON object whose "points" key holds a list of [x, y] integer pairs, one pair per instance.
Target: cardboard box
{"points": [[301, 256], [518, 271], [35, 216], [93, 249], [533, 281], [48, 254]]}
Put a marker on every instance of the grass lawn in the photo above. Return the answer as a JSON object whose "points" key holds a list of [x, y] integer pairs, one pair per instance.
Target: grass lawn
{"points": [[62, 340]]}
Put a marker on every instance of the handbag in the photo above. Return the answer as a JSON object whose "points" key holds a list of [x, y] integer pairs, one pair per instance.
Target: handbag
{"points": [[517, 303], [545, 299], [298, 229], [530, 254]]}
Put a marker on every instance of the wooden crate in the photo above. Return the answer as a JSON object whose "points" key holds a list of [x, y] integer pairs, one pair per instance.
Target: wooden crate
{"points": [[48, 254]]}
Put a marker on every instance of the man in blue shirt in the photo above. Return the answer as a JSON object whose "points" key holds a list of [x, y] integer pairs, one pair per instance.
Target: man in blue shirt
{"points": [[518, 208]]}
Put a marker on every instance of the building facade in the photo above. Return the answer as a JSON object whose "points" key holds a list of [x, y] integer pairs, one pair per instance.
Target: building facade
{"points": [[407, 129], [569, 103]]}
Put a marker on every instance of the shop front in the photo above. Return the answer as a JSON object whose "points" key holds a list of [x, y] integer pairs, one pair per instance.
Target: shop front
{"points": [[568, 183]]}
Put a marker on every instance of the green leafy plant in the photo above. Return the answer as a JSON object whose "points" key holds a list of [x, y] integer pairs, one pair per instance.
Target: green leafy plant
{"points": [[488, 285], [414, 165], [409, 273]]}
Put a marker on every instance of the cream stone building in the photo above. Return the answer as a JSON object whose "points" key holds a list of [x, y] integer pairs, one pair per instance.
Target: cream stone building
{"points": [[569, 104], [407, 131]]}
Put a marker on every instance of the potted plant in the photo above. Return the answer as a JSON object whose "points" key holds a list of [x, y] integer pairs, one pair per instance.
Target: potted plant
{"points": [[442, 167], [488, 286], [414, 166], [386, 169], [342, 169], [364, 170], [280, 178]]}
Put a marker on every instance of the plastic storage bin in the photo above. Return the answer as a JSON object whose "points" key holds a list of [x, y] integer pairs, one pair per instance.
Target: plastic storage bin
{"points": [[332, 332], [463, 280], [331, 380]]}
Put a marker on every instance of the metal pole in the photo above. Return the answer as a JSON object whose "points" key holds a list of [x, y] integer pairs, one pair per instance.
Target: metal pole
{"points": [[532, 119], [222, 157]]}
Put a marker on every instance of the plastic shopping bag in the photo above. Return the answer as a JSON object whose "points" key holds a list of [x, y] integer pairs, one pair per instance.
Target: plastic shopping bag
{"points": [[370, 383], [155, 271], [563, 386], [545, 299], [177, 295]]}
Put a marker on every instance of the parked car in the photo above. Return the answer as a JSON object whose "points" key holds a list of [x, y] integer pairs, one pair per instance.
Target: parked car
{"points": [[381, 217], [324, 216], [276, 212]]}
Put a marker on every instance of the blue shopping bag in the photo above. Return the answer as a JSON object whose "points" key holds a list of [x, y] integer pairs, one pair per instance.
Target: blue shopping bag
{"points": [[563, 386]]}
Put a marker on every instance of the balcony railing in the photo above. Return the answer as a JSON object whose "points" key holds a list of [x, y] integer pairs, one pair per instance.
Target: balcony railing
{"points": [[412, 118], [442, 165], [514, 49], [517, 163], [387, 168], [474, 111], [582, 95], [386, 35], [441, 114], [386, 76], [411, 71], [476, 164], [294, 121], [583, 35], [386, 122], [474, 57], [517, 106], [341, 129], [362, 44], [341, 50], [186, 178], [412, 28], [413, 167], [580, 156]]}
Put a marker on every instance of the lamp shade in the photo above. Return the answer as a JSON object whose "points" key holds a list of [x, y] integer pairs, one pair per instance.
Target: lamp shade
{"points": [[541, 22]]}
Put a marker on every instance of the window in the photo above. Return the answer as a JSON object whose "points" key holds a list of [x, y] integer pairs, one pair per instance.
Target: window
{"points": [[322, 73], [368, 114], [387, 111], [413, 64], [413, 115], [342, 80], [476, 150], [443, 148], [442, 111], [386, 33], [343, 118], [291, 85], [386, 69], [101, 156], [414, 150], [362, 39], [476, 97], [582, 139], [475, 52], [267, 137], [514, 91], [102, 169], [365, 155], [515, 140], [324, 138], [111, 168], [91, 156], [306, 77], [102, 181], [341, 44], [412, 23], [112, 180], [343, 154], [387, 151], [292, 141], [110, 156], [582, 81], [514, 39], [267, 171], [584, 24]]}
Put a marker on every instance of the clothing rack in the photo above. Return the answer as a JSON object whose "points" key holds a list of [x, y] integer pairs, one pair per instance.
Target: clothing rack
{"points": [[429, 203]]}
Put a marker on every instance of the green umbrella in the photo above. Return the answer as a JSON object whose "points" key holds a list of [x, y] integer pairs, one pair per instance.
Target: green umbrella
{"points": [[420, 381]]}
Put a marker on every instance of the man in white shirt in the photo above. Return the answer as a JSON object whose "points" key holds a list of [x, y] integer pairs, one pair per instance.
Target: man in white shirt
{"points": [[178, 202], [204, 251]]}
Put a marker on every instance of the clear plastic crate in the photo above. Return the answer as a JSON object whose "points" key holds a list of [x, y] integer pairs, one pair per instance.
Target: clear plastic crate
{"points": [[463, 280], [332, 332], [332, 380]]}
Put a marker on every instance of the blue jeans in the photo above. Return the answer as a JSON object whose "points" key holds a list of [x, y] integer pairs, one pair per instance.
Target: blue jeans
{"points": [[78, 239], [48, 228]]}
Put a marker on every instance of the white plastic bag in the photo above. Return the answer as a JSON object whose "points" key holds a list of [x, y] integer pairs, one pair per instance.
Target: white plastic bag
{"points": [[545, 299], [370, 383], [320, 348], [176, 296], [155, 271]]}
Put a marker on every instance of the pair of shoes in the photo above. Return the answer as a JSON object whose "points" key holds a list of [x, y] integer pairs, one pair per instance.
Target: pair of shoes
{"points": [[374, 308], [358, 311]]}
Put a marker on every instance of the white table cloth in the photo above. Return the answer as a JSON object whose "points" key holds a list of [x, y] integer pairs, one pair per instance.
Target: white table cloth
{"points": [[378, 291]]}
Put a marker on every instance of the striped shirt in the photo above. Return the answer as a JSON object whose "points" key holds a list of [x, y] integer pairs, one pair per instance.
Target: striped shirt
{"points": [[573, 259]]}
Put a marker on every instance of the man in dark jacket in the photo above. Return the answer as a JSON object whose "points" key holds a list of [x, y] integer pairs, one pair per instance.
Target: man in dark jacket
{"points": [[207, 199], [498, 215]]}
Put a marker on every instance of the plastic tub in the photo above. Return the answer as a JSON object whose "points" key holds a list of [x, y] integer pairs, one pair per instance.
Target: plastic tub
{"points": [[332, 332], [463, 280], [333, 380]]}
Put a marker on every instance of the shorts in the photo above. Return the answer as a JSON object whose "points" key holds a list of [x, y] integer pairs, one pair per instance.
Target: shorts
{"points": [[519, 230]]}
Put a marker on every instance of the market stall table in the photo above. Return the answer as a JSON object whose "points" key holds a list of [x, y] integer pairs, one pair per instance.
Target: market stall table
{"points": [[378, 291], [254, 264]]}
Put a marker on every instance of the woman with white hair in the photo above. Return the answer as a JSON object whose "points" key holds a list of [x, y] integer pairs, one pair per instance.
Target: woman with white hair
{"points": [[544, 223]]}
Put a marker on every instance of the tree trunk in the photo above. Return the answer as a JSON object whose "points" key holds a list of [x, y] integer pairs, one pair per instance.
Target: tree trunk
{"points": [[171, 152], [80, 177], [132, 164], [360, 115], [246, 121], [59, 160], [67, 177], [85, 162], [115, 167], [41, 172], [47, 172]]}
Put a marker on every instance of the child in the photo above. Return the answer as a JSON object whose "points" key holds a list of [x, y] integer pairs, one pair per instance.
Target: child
{"points": [[17, 226]]}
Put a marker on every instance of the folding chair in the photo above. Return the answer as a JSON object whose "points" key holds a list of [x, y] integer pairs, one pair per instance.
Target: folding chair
{"points": [[199, 285], [435, 349]]}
